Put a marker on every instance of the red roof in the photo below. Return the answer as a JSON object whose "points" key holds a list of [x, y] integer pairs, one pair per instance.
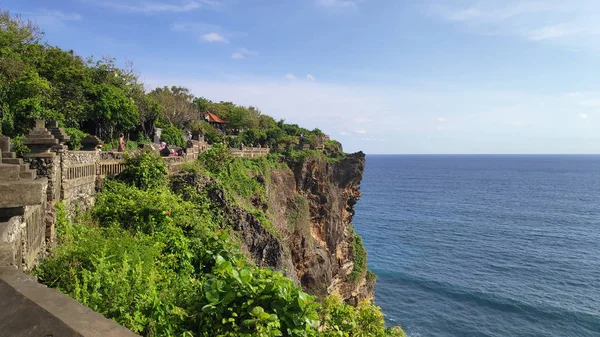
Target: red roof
{"points": [[212, 118]]}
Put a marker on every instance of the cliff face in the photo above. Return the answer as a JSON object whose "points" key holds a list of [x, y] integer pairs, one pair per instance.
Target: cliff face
{"points": [[310, 208], [322, 252]]}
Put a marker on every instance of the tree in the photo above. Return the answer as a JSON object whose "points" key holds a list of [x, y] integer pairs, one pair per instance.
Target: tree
{"points": [[26, 99], [177, 103], [112, 111]]}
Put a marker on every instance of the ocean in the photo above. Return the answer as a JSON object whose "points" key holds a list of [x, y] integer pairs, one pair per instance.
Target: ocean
{"points": [[478, 245]]}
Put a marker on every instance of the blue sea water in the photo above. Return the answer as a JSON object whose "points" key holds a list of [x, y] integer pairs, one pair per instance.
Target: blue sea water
{"points": [[484, 245]]}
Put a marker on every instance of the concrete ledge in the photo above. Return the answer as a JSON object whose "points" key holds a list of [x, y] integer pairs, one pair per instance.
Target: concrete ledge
{"points": [[22, 192], [10, 172], [28, 308]]}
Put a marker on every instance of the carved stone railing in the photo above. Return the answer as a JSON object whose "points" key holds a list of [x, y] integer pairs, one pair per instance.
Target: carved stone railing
{"points": [[250, 152]]}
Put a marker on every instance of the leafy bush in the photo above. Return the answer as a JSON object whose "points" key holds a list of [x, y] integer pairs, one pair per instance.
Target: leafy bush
{"points": [[253, 137], [366, 320], [360, 259], [75, 136], [217, 158], [18, 146], [211, 135], [144, 170], [172, 135], [145, 211]]}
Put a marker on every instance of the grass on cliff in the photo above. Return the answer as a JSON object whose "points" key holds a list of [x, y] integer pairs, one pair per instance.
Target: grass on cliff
{"points": [[162, 266], [244, 181], [360, 259]]}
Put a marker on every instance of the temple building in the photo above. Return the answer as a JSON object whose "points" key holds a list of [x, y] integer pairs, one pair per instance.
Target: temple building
{"points": [[214, 120]]}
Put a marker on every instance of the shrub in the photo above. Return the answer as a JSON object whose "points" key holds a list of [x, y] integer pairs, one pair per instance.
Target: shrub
{"points": [[216, 158], [172, 135], [253, 137], [144, 170], [18, 146], [211, 135], [366, 320], [360, 259], [75, 137]]}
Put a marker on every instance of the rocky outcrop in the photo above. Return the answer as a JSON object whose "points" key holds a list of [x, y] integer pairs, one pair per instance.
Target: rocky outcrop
{"points": [[323, 255], [310, 207]]}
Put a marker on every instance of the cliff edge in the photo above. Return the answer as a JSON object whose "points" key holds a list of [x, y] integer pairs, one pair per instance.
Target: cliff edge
{"points": [[302, 224]]}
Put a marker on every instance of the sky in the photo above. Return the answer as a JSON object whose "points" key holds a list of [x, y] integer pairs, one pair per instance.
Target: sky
{"points": [[381, 76]]}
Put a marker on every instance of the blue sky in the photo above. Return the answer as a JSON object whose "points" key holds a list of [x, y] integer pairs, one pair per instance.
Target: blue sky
{"points": [[382, 76]]}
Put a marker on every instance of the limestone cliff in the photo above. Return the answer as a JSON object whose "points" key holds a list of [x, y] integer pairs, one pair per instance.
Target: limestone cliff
{"points": [[310, 208], [322, 249]]}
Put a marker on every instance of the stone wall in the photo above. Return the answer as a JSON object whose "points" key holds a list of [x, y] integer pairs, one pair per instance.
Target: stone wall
{"points": [[28, 308], [79, 172], [49, 167], [22, 238]]}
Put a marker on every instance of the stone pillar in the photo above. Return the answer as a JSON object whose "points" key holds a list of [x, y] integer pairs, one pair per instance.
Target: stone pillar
{"points": [[47, 164], [90, 143], [4, 144], [40, 141], [59, 134], [157, 134]]}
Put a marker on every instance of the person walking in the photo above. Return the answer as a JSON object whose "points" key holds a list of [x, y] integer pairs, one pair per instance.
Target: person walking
{"points": [[121, 147]]}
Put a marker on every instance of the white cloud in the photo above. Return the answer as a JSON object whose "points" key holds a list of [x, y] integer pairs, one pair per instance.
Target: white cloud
{"points": [[345, 133], [575, 22], [310, 77], [52, 18], [149, 7], [242, 53], [360, 132], [290, 76], [214, 37], [336, 3], [442, 120], [584, 99], [209, 33], [369, 139], [549, 32], [583, 116]]}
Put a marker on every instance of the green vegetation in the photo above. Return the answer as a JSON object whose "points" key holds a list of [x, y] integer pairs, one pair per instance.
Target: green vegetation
{"points": [[87, 96], [360, 259], [243, 180], [144, 171], [163, 266], [172, 135]]}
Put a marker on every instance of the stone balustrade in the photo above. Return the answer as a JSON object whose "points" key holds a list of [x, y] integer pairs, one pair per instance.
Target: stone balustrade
{"points": [[250, 152]]}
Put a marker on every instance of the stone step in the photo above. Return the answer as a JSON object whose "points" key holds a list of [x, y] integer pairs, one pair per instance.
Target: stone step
{"points": [[24, 167], [9, 155], [9, 172], [29, 174], [14, 161]]}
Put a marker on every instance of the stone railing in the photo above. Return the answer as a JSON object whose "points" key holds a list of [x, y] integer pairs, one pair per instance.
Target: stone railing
{"points": [[110, 168], [250, 152]]}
